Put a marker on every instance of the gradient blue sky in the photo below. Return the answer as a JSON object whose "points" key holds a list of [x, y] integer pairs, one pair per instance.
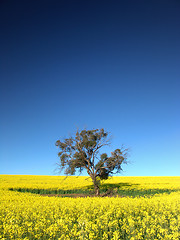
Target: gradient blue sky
{"points": [[111, 64]]}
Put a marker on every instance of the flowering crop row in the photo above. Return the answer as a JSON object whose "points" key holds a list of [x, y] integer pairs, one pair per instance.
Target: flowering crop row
{"points": [[31, 216]]}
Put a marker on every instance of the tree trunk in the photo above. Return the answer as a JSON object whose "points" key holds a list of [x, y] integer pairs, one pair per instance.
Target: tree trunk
{"points": [[96, 187], [97, 191]]}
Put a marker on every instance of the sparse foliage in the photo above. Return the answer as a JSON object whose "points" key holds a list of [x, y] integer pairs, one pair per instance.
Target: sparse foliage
{"points": [[83, 152]]}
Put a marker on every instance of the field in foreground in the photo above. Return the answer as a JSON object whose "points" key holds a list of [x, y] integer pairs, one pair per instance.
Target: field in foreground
{"points": [[148, 209]]}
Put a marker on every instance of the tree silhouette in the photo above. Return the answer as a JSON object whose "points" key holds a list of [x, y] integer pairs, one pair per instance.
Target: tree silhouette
{"points": [[82, 151]]}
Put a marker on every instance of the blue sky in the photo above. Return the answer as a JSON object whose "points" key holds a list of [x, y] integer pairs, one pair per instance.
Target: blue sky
{"points": [[93, 64]]}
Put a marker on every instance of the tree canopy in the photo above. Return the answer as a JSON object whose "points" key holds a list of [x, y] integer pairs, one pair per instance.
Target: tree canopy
{"points": [[82, 151]]}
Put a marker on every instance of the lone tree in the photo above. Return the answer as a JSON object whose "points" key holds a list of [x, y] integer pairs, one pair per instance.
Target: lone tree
{"points": [[83, 152]]}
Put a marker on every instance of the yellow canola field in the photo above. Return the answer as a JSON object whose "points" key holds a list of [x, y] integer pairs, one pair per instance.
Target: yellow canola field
{"points": [[73, 182], [32, 216]]}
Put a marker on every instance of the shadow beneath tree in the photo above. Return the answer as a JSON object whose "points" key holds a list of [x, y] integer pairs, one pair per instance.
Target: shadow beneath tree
{"points": [[106, 189], [106, 186], [130, 190]]}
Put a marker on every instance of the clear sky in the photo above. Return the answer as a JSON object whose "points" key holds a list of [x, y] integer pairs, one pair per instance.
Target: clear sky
{"points": [[94, 64]]}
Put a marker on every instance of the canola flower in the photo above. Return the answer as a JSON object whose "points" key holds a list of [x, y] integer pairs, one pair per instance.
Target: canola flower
{"points": [[32, 216]]}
